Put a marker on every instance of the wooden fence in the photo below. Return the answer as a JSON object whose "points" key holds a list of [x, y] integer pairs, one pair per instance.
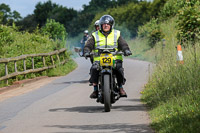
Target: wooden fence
{"points": [[33, 70]]}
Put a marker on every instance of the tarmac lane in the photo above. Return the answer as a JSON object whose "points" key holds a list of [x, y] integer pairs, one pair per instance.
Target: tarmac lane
{"points": [[64, 106]]}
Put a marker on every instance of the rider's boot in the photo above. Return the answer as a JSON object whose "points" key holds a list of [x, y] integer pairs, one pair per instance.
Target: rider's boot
{"points": [[94, 93], [122, 92]]}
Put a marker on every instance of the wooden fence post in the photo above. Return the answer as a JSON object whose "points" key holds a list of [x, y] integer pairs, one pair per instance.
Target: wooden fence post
{"points": [[33, 63], [43, 60], [44, 64], [58, 58], [6, 71], [24, 62], [52, 59], [15, 62]]}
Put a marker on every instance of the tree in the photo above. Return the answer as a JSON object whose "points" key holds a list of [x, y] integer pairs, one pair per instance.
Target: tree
{"points": [[132, 15], [97, 6], [80, 23], [1, 17], [49, 10], [123, 2], [28, 23], [7, 16], [43, 11], [64, 16], [16, 16], [5, 9]]}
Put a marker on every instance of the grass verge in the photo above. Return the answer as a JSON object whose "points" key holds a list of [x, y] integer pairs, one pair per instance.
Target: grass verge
{"points": [[172, 93], [62, 70], [140, 50]]}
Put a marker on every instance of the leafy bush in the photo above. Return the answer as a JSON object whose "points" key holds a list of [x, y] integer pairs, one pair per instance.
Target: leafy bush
{"points": [[188, 12], [14, 43], [171, 8], [55, 30], [189, 22], [151, 31], [156, 7]]}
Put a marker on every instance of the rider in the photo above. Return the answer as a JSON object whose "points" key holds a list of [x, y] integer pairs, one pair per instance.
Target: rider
{"points": [[83, 40], [107, 37], [96, 25]]}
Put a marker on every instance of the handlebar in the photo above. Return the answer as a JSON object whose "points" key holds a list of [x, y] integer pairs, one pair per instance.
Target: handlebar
{"points": [[113, 53], [105, 50], [109, 50]]}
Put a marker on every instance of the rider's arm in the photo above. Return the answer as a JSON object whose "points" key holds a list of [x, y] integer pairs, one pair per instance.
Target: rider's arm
{"points": [[122, 44], [89, 46]]}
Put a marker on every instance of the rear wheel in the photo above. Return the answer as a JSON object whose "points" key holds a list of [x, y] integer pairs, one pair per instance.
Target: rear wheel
{"points": [[107, 93]]}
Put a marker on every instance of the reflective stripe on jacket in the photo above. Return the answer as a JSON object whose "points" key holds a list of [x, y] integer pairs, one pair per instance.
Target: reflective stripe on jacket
{"points": [[101, 41]]}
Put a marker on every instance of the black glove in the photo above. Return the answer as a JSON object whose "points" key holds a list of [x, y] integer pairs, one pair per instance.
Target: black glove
{"points": [[127, 53], [87, 54]]}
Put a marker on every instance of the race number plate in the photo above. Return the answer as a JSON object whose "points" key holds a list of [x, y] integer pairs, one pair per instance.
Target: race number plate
{"points": [[106, 60]]}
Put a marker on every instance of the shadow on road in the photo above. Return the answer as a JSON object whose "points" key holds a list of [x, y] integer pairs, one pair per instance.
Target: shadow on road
{"points": [[138, 107], [73, 82], [97, 109], [133, 100], [81, 109], [105, 128]]}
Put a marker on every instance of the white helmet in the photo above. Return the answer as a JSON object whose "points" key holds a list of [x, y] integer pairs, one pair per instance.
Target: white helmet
{"points": [[86, 32], [96, 23]]}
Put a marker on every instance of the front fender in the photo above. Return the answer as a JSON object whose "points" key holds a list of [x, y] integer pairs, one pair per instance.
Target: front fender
{"points": [[106, 71]]}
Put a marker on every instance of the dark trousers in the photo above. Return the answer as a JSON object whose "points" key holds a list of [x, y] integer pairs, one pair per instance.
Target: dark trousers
{"points": [[119, 71]]}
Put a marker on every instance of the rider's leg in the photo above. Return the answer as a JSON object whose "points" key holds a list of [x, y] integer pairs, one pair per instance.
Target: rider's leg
{"points": [[120, 77], [94, 79], [94, 94]]}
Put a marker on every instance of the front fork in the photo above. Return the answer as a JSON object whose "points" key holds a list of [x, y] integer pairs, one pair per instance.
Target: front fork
{"points": [[113, 86], [101, 83]]}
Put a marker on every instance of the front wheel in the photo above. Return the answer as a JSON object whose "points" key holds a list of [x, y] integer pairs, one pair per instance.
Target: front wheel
{"points": [[107, 93]]}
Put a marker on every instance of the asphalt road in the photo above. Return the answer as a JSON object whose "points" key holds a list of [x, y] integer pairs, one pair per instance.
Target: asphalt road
{"points": [[64, 106]]}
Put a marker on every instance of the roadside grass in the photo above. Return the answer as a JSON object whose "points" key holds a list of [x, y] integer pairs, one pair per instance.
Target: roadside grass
{"points": [[178, 115], [140, 50], [172, 93], [62, 70]]}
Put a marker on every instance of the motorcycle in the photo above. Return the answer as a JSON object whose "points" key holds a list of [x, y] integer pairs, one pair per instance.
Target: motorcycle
{"points": [[108, 90]]}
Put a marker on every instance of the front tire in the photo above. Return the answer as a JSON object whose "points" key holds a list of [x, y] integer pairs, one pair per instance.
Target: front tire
{"points": [[107, 93]]}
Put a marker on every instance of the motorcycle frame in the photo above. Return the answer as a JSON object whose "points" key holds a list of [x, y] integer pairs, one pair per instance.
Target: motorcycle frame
{"points": [[107, 70]]}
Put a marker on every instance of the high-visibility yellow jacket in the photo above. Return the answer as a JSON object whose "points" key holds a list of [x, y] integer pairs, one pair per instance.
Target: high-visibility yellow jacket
{"points": [[110, 41]]}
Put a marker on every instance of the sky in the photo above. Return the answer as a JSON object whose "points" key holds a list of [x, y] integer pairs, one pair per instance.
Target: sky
{"points": [[25, 7]]}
